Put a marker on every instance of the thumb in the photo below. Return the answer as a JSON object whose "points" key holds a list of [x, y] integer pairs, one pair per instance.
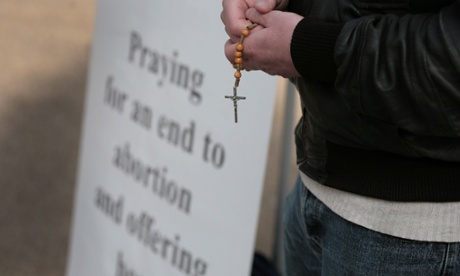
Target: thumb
{"points": [[256, 17], [264, 6]]}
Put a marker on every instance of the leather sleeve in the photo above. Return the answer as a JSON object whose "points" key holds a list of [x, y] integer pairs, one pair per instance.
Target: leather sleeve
{"points": [[403, 70]]}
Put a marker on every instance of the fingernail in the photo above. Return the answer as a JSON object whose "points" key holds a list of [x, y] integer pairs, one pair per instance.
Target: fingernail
{"points": [[261, 4]]}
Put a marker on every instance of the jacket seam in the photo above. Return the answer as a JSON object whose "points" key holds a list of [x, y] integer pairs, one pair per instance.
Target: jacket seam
{"points": [[362, 42], [436, 94], [310, 7], [456, 59]]}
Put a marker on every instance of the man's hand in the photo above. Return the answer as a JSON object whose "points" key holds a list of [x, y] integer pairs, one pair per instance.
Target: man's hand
{"points": [[268, 47], [234, 13]]}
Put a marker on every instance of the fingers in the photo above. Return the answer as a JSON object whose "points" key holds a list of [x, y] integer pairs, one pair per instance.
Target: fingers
{"points": [[230, 49], [234, 18], [267, 47], [255, 16], [265, 6]]}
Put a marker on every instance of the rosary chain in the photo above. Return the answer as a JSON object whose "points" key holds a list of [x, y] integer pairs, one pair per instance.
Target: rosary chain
{"points": [[238, 65]]}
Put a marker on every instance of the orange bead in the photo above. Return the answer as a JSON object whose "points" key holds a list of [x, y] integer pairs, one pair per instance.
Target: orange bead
{"points": [[238, 60], [239, 47], [245, 32], [238, 54], [237, 75]]}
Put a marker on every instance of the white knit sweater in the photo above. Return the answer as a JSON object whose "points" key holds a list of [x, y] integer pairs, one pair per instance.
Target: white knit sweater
{"points": [[433, 222]]}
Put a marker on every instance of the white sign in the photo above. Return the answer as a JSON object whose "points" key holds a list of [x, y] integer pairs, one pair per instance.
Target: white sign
{"points": [[168, 184]]}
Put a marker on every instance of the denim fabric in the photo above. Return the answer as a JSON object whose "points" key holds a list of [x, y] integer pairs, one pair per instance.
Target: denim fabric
{"points": [[319, 242]]}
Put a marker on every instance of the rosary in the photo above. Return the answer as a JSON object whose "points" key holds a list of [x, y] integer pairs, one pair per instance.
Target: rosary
{"points": [[238, 65]]}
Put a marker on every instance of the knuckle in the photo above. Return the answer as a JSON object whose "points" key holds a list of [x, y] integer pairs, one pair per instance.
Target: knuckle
{"points": [[234, 29]]}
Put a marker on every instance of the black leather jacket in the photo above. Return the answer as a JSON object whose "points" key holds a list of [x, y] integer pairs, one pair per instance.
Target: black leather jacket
{"points": [[380, 93]]}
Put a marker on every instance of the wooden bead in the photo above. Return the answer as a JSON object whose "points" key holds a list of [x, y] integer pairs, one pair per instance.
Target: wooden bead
{"points": [[238, 65]]}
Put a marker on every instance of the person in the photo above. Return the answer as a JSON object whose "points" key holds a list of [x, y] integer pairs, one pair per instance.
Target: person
{"points": [[378, 144]]}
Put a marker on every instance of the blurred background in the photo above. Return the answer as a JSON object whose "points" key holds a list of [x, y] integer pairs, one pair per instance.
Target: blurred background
{"points": [[44, 55]]}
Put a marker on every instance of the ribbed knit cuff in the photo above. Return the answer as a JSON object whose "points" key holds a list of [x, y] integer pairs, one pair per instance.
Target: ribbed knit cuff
{"points": [[312, 49]]}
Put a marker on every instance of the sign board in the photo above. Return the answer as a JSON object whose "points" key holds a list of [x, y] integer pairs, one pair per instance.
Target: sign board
{"points": [[167, 184]]}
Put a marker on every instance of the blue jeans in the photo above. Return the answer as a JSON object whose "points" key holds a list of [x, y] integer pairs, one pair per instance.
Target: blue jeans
{"points": [[319, 242]]}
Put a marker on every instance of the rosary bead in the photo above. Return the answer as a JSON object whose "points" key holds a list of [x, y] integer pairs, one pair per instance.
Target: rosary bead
{"points": [[237, 75], [245, 32], [238, 60], [239, 47], [238, 54]]}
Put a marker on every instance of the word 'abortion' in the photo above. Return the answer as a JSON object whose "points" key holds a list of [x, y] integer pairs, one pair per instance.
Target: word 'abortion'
{"points": [[166, 68], [155, 177]]}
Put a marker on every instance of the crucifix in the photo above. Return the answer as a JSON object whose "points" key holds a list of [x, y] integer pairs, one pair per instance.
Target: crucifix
{"points": [[235, 98]]}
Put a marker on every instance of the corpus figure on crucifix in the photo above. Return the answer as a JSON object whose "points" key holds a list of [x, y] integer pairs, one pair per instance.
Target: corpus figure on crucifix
{"points": [[235, 98]]}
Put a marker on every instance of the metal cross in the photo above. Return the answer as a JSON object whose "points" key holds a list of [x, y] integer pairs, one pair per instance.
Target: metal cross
{"points": [[235, 98]]}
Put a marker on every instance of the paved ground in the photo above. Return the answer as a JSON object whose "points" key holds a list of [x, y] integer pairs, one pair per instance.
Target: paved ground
{"points": [[44, 50]]}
